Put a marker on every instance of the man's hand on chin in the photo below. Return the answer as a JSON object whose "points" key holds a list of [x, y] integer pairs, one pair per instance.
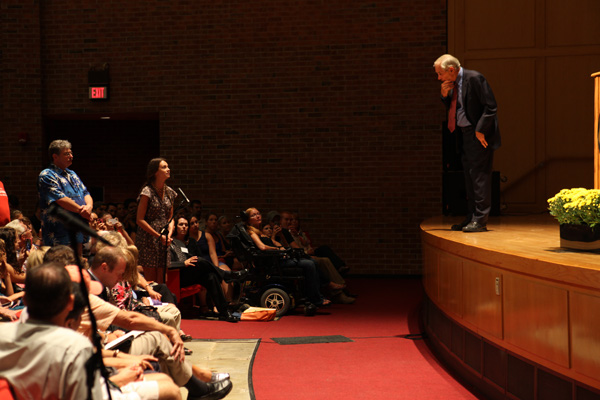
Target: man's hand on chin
{"points": [[447, 86]]}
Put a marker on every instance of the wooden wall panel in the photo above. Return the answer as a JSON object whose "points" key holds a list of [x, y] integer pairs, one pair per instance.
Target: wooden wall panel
{"points": [[450, 283], [482, 307], [536, 318], [430, 271], [569, 121], [510, 26], [572, 23], [585, 333]]}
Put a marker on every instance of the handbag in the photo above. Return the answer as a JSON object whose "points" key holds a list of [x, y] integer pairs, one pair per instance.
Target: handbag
{"points": [[149, 311]]}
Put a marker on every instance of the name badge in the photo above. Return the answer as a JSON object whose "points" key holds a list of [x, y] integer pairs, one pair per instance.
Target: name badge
{"points": [[184, 250]]}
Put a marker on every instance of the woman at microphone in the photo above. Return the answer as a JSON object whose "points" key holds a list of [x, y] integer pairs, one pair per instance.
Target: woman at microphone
{"points": [[155, 209]]}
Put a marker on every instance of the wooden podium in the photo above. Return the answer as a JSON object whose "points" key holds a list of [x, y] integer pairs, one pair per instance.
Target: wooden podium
{"points": [[596, 77]]}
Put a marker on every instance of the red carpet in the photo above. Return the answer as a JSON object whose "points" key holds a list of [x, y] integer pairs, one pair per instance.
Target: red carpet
{"points": [[379, 364]]}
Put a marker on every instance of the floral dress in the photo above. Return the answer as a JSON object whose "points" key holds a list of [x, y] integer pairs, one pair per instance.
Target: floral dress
{"points": [[122, 297], [152, 252]]}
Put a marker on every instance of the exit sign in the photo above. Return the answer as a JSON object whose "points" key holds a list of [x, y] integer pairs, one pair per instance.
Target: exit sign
{"points": [[98, 93]]}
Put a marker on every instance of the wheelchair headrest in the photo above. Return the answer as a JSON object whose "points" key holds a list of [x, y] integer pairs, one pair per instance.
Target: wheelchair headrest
{"points": [[239, 232]]}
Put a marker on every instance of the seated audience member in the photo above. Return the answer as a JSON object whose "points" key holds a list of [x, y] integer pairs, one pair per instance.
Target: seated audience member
{"points": [[334, 283], [6, 287], [41, 359], [10, 301], [303, 239], [17, 275], [158, 340], [121, 212], [212, 227], [224, 225], [122, 295], [36, 257], [99, 207], [311, 276], [195, 210], [108, 223], [16, 214], [194, 231], [156, 291], [127, 370], [216, 250], [35, 240], [111, 208], [129, 222], [23, 237], [195, 269]]}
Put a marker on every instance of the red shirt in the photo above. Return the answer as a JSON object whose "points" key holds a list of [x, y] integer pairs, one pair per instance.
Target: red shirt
{"points": [[4, 208]]}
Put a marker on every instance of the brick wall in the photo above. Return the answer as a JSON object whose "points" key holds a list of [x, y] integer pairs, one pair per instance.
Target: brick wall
{"points": [[328, 108], [20, 98]]}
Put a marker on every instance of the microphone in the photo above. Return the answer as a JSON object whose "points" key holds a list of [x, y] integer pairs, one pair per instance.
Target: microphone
{"points": [[183, 194], [73, 222]]}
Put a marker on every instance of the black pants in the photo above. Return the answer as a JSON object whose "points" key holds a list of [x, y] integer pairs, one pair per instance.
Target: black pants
{"points": [[209, 276], [477, 166]]}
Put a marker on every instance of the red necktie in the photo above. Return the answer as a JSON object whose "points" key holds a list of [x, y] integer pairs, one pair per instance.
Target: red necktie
{"points": [[452, 111]]}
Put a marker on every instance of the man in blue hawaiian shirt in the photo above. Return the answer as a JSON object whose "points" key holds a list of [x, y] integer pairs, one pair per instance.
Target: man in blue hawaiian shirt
{"points": [[60, 185]]}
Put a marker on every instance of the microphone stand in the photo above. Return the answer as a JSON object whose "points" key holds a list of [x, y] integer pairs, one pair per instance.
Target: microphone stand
{"points": [[95, 362], [164, 231]]}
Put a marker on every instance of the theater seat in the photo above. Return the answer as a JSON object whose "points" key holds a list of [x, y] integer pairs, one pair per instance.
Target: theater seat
{"points": [[174, 285]]}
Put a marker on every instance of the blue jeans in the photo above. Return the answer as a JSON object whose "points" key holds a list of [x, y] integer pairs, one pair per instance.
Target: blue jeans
{"points": [[311, 278]]}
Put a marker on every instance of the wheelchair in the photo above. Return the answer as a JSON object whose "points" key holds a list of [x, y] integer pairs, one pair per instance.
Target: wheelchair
{"points": [[268, 284]]}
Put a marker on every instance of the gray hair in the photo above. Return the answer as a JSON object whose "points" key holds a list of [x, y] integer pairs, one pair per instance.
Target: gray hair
{"points": [[114, 238], [446, 61], [17, 225], [56, 146]]}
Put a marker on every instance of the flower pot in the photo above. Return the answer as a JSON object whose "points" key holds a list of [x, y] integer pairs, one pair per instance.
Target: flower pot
{"points": [[579, 237]]}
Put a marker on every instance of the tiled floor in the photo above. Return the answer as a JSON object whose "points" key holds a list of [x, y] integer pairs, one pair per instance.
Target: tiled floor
{"points": [[233, 356]]}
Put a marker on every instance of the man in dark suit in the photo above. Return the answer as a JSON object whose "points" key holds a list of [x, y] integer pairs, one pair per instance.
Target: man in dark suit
{"points": [[472, 116]]}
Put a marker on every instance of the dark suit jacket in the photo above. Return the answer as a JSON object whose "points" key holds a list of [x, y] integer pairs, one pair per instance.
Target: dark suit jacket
{"points": [[480, 106]]}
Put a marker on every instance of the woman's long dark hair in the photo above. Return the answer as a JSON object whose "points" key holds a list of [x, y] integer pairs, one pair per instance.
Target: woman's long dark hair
{"points": [[153, 166], [9, 235]]}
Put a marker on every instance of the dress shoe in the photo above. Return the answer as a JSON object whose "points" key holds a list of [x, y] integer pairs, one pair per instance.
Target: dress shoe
{"points": [[310, 309], [235, 276], [474, 227], [459, 227], [343, 299], [219, 376], [187, 351], [217, 390], [186, 338], [228, 316]]}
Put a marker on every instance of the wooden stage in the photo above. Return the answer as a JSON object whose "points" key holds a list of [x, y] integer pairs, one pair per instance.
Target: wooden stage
{"points": [[511, 310]]}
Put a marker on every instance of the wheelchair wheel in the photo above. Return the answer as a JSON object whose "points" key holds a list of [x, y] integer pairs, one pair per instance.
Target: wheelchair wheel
{"points": [[276, 298]]}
